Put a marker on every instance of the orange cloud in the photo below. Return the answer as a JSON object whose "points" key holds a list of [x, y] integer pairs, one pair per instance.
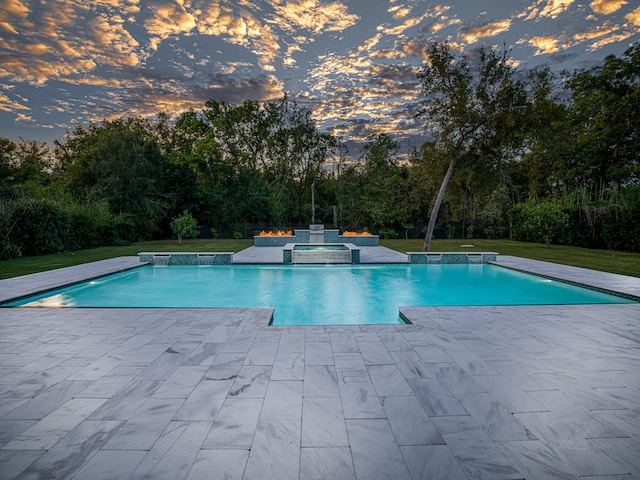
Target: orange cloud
{"points": [[489, 29], [168, 19], [545, 45], [607, 7], [618, 37], [8, 105], [546, 8], [240, 28], [36, 48], [399, 11], [634, 17], [314, 15], [554, 8], [599, 31], [444, 22], [21, 117], [369, 43], [14, 7]]}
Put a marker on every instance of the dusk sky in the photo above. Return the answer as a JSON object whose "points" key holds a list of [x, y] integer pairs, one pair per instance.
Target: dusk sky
{"points": [[354, 62]]}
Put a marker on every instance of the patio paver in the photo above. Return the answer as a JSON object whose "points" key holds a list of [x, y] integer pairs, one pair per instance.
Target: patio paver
{"points": [[535, 392]]}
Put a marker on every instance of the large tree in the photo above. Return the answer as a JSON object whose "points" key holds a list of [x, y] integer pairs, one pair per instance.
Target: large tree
{"points": [[475, 110], [606, 114], [119, 162]]}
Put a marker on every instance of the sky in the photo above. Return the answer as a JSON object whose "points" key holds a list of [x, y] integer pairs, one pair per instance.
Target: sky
{"points": [[353, 62]]}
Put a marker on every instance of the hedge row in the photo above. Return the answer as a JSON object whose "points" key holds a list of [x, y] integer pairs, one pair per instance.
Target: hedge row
{"points": [[39, 227], [614, 225]]}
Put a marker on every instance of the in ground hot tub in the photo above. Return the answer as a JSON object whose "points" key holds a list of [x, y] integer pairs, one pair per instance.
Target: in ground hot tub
{"points": [[320, 253]]}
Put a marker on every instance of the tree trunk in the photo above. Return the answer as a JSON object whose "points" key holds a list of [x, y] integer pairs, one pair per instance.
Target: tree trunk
{"points": [[313, 202], [436, 206]]}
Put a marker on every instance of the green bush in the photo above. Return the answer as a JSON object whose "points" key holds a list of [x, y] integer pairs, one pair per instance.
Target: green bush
{"points": [[35, 227], [388, 233], [30, 227], [184, 226], [621, 228], [542, 222]]}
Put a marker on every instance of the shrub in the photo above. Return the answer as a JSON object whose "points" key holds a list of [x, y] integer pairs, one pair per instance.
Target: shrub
{"points": [[184, 226], [35, 227], [388, 233], [537, 222]]}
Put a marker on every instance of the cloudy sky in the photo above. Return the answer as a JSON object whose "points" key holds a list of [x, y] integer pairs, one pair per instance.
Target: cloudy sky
{"points": [[354, 62]]}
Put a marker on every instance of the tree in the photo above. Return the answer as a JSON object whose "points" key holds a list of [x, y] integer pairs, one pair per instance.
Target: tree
{"points": [[383, 190], [606, 114], [8, 165], [118, 161], [184, 226], [476, 113], [542, 168]]}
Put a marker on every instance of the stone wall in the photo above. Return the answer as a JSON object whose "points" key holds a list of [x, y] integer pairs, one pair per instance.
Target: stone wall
{"points": [[186, 258], [448, 258]]}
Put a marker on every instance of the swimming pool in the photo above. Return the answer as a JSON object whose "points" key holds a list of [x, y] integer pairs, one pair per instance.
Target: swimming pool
{"points": [[319, 294]]}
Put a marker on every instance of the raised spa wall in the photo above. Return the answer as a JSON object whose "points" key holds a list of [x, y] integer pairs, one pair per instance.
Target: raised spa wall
{"points": [[303, 236], [450, 258], [350, 255], [186, 258]]}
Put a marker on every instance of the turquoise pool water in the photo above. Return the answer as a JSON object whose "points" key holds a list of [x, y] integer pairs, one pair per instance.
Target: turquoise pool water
{"points": [[319, 294]]}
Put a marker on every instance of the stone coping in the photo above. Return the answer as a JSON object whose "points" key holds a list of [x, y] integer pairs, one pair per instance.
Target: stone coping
{"points": [[25, 285]]}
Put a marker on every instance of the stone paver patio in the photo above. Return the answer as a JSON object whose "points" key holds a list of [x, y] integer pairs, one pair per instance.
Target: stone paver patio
{"points": [[535, 392]]}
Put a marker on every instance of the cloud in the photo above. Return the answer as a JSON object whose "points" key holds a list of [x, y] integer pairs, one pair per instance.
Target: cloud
{"points": [[546, 8], [238, 28], [399, 11], [403, 48], [599, 31], [13, 7], [21, 117], [313, 15], [599, 35], [8, 105], [406, 25], [288, 57], [545, 44], [234, 90], [168, 18], [607, 7], [354, 95], [444, 22], [66, 39], [369, 44], [553, 8], [471, 34], [634, 17], [614, 38]]}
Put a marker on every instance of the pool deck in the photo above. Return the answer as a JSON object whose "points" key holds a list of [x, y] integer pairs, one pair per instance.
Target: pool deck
{"points": [[535, 392]]}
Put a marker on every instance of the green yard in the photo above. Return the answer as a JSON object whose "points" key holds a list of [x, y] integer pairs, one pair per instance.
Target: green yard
{"points": [[604, 260]]}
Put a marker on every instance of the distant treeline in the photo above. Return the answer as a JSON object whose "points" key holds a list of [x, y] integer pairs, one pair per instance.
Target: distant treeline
{"points": [[570, 177]]}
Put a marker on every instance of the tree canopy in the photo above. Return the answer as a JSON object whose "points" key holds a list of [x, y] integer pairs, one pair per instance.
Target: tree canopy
{"points": [[503, 146]]}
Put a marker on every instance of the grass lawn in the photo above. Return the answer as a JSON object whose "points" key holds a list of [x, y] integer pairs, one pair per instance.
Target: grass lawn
{"points": [[604, 260], [623, 263]]}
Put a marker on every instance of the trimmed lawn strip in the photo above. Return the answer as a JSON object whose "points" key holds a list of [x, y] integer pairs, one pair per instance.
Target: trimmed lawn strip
{"points": [[604, 260], [623, 263], [27, 265]]}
